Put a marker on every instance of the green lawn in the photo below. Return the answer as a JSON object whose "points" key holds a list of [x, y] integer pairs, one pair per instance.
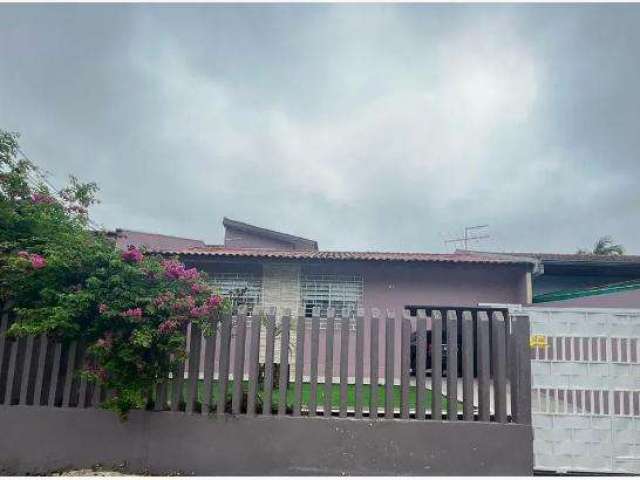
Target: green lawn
{"points": [[335, 395]]}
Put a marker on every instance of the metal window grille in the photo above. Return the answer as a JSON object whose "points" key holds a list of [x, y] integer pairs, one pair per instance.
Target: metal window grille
{"points": [[246, 287], [330, 290]]}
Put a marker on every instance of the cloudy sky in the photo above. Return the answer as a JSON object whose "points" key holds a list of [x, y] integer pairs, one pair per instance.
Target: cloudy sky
{"points": [[361, 126]]}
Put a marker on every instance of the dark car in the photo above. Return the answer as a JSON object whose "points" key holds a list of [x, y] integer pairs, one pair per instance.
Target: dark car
{"points": [[428, 366]]}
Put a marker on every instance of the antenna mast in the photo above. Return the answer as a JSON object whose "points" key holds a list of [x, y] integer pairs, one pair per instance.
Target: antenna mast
{"points": [[467, 237]]}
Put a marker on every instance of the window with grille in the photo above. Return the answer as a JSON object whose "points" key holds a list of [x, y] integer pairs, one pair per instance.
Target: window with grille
{"points": [[330, 291], [244, 287]]}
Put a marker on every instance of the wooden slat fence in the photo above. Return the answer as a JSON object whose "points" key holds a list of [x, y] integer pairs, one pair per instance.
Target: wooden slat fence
{"points": [[231, 371]]}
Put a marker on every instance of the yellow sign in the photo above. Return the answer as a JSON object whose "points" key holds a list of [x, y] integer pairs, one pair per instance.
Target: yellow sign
{"points": [[538, 341]]}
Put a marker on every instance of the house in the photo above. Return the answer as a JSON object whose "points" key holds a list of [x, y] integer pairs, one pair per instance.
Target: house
{"points": [[583, 280], [275, 269], [286, 271]]}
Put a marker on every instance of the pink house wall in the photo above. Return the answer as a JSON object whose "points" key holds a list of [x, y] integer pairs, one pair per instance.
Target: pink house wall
{"points": [[396, 285]]}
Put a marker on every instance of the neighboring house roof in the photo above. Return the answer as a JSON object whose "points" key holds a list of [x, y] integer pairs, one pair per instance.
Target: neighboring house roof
{"points": [[612, 288], [574, 258], [299, 243], [576, 263], [347, 256], [153, 241]]}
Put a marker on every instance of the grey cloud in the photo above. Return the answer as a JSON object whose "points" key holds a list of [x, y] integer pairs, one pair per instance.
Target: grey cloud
{"points": [[384, 127]]}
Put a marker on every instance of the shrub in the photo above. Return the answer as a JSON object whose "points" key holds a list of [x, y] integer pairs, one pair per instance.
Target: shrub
{"points": [[71, 283]]}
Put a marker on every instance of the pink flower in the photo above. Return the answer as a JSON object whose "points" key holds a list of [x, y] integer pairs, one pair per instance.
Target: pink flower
{"points": [[168, 326], [133, 312], [199, 311], [77, 209], [132, 255], [38, 261], [215, 300], [199, 288], [103, 308], [163, 299], [190, 274], [176, 270], [42, 198], [23, 254]]}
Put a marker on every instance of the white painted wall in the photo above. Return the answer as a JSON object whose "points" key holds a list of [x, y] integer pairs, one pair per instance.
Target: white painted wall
{"points": [[586, 389]]}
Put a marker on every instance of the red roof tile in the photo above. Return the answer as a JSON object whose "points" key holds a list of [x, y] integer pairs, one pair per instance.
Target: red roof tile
{"points": [[345, 256]]}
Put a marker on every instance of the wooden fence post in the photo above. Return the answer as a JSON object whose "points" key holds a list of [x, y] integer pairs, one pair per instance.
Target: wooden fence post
{"points": [[421, 363], [389, 359], [436, 365], [254, 359], [55, 371], [452, 365], [26, 370], [313, 370], [11, 372], [467, 366], [238, 361], [359, 359], [300, 334], [345, 331], [4, 326], [284, 361], [498, 346], [328, 362], [405, 363], [374, 374], [209, 359], [523, 369], [42, 356], [270, 338], [484, 368], [223, 363], [194, 368]]}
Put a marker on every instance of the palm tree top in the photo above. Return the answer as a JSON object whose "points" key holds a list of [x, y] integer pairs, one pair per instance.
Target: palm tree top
{"points": [[605, 246]]}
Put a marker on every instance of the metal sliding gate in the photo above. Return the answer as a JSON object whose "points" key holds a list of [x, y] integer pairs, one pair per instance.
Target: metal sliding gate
{"points": [[586, 389]]}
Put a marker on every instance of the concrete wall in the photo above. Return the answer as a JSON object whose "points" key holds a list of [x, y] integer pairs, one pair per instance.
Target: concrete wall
{"points": [[39, 440]]}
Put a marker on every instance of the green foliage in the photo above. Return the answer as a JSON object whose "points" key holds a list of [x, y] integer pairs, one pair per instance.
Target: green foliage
{"points": [[69, 282], [604, 246]]}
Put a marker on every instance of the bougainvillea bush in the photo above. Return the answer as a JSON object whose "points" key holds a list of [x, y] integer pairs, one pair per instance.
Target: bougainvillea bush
{"points": [[63, 279]]}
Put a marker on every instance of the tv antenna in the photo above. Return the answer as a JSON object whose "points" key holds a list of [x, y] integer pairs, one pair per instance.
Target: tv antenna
{"points": [[465, 240]]}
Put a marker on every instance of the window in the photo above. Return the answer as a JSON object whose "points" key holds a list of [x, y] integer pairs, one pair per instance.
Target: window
{"points": [[246, 287], [329, 290]]}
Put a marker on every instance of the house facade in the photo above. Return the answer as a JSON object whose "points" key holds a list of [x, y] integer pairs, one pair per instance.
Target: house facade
{"points": [[286, 271], [275, 269]]}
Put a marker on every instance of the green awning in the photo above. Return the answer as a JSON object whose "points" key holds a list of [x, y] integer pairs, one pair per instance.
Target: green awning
{"points": [[587, 292]]}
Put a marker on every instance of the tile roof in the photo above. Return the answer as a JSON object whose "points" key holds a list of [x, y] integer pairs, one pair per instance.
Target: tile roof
{"points": [[579, 257], [346, 256], [564, 257], [153, 241]]}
